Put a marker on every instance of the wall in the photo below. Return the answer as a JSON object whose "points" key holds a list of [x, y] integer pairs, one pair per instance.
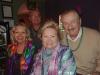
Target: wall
{"points": [[15, 4], [0, 11]]}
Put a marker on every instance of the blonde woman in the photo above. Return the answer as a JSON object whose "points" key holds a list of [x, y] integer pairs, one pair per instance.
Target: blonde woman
{"points": [[54, 58], [20, 51]]}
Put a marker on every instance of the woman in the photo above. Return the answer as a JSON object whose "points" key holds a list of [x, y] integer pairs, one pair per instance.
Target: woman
{"points": [[20, 51], [53, 58]]}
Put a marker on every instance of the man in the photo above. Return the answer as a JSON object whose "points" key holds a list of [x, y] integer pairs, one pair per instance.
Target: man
{"points": [[84, 42]]}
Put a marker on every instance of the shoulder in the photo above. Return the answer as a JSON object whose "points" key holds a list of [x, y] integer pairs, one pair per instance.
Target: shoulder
{"points": [[64, 49], [91, 33], [9, 46], [12, 46], [30, 43]]}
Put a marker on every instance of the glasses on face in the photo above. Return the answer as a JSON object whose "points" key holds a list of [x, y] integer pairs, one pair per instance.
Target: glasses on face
{"points": [[73, 23]]}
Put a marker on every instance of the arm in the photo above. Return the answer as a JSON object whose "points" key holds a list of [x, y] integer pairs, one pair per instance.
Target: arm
{"points": [[37, 65], [68, 66], [97, 70]]}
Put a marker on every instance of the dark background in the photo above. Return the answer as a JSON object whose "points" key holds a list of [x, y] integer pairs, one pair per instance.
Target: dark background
{"points": [[89, 10]]}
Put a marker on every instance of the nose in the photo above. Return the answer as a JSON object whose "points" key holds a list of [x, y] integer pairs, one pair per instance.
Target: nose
{"points": [[20, 34], [69, 26]]}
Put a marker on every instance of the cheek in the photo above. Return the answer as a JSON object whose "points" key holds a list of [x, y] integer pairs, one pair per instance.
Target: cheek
{"points": [[25, 35], [65, 27], [44, 43], [56, 41], [76, 28], [43, 40], [15, 36]]}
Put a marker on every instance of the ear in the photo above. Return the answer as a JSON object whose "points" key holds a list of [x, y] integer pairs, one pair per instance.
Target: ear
{"points": [[60, 24], [80, 21]]}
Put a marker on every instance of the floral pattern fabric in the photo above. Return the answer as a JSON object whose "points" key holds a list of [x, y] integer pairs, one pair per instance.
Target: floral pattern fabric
{"points": [[59, 62], [14, 62]]}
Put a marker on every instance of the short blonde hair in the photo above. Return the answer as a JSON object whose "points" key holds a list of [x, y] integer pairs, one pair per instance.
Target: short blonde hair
{"points": [[13, 29], [50, 24]]}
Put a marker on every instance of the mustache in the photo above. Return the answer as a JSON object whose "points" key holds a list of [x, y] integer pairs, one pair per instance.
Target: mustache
{"points": [[71, 29]]}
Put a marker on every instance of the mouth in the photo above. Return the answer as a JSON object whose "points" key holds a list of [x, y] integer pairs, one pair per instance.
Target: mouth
{"points": [[19, 38], [71, 30]]}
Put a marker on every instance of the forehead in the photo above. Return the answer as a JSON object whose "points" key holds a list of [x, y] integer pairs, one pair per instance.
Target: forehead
{"points": [[70, 16], [35, 13], [49, 31], [20, 28]]}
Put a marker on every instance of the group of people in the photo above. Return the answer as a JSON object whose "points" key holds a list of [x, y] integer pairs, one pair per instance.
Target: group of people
{"points": [[51, 51]]}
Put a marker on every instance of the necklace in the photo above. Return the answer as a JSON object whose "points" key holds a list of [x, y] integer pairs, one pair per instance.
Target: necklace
{"points": [[78, 43]]}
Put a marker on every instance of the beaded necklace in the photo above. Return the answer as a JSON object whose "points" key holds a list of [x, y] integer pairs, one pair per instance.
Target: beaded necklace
{"points": [[78, 43]]}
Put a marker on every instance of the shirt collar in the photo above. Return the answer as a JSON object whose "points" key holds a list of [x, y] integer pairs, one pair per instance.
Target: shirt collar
{"points": [[78, 36]]}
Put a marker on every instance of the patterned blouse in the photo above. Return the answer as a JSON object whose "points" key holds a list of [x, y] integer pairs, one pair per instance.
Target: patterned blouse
{"points": [[58, 62], [15, 61]]}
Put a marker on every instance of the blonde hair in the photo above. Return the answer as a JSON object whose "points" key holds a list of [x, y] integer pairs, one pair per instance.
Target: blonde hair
{"points": [[22, 24], [50, 24]]}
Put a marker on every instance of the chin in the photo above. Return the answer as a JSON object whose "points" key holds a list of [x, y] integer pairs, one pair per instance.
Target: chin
{"points": [[49, 47], [20, 41]]}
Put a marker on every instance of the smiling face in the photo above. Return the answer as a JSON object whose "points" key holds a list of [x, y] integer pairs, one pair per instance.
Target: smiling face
{"points": [[35, 17], [71, 22], [49, 38], [20, 34]]}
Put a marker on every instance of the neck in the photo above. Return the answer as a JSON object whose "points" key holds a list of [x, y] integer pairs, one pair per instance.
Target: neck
{"points": [[36, 27], [76, 36], [80, 35], [21, 44], [20, 48], [73, 37]]}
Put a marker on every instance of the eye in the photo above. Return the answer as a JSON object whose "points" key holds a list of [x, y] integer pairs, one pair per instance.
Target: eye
{"points": [[16, 32], [65, 24], [52, 35], [44, 36], [24, 32]]}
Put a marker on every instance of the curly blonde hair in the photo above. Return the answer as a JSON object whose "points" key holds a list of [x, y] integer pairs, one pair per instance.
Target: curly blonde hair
{"points": [[13, 29], [50, 24]]}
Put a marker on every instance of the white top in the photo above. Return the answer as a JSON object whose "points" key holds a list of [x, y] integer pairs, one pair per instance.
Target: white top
{"points": [[78, 36]]}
